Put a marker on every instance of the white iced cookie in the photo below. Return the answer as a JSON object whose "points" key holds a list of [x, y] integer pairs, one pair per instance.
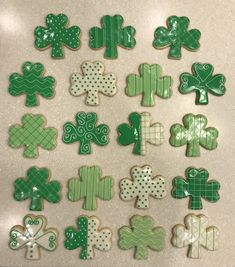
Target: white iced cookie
{"points": [[195, 233], [142, 186], [93, 81]]}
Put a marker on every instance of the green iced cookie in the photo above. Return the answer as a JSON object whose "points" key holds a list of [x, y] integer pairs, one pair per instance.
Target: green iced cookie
{"points": [[142, 235], [32, 134], [202, 82], [177, 35], [85, 131], [57, 34], [196, 186], [37, 187], [111, 35], [90, 185], [194, 134], [88, 236], [149, 83], [31, 83]]}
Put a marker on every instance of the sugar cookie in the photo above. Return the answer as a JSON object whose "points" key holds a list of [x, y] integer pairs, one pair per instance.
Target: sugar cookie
{"points": [[149, 83], [85, 131], [92, 82], [177, 36], [56, 35], [37, 187], [142, 235], [34, 236], [111, 35], [140, 131], [194, 134], [141, 186], [195, 233], [32, 134], [88, 236]]}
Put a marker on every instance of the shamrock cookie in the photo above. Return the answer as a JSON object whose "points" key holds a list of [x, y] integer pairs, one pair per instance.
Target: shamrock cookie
{"points": [[90, 185], [194, 134], [195, 233], [32, 134], [149, 83], [140, 131], [88, 236], [37, 187], [177, 36], [34, 236], [93, 81], [85, 131], [196, 186], [202, 82], [111, 35], [141, 235], [56, 35], [32, 83], [142, 186]]}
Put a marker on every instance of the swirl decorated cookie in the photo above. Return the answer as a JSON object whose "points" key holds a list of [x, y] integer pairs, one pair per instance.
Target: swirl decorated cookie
{"points": [[33, 236], [86, 131]]}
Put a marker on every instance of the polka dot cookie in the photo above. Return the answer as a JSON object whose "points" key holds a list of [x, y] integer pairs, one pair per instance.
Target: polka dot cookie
{"points": [[142, 186], [92, 82], [88, 237], [56, 35]]}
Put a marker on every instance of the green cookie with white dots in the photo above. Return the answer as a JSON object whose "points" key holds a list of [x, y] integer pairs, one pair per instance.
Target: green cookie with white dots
{"points": [[88, 236]]}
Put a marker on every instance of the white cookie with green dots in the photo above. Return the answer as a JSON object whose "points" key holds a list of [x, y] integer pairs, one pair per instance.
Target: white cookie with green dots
{"points": [[141, 186], [93, 81]]}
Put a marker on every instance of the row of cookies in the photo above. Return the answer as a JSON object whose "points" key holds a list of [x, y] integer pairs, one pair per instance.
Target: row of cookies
{"points": [[93, 81], [91, 185], [112, 34], [140, 235], [33, 133]]}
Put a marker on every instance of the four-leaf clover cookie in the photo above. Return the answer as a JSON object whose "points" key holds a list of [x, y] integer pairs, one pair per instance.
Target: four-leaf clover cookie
{"points": [[196, 186], [177, 35], [202, 82], [140, 131], [111, 35], [149, 83], [88, 236], [32, 134], [34, 236], [142, 186], [194, 134], [90, 186], [85, 131], [195, 233], [142, 235], [31, 83], [93, 81], [37, 187], [56, 35]]}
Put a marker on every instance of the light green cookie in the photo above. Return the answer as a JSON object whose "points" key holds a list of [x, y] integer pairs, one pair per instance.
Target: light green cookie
{"points": [[142, 235], [32, 134], [90, 186], [149, 83]]}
